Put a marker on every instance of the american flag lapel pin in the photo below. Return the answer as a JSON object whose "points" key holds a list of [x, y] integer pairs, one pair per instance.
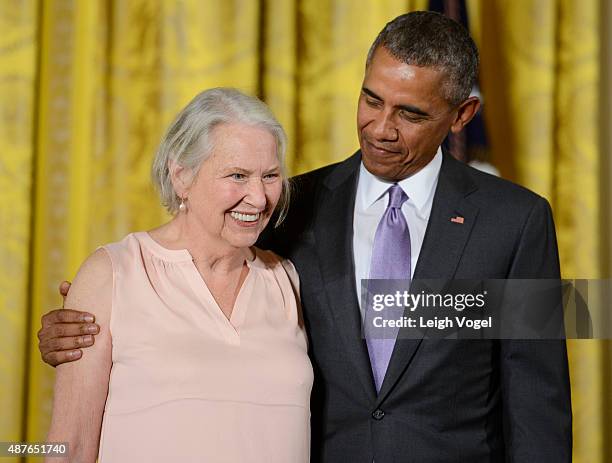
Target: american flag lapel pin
{"points": [[457, 219]]}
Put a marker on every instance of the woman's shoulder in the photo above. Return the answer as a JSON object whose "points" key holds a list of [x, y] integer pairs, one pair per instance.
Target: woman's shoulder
{"points": [[92, 285], [129, 251], [126, 244], [97, 266], [276, 263], [270, 259], [95, 276]]}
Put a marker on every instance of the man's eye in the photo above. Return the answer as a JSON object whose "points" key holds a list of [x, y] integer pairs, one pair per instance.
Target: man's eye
{"points": [[411, 117], [372, 102]]}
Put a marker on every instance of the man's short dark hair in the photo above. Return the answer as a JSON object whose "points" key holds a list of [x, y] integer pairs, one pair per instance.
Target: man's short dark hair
{"points": [[426, 38]]}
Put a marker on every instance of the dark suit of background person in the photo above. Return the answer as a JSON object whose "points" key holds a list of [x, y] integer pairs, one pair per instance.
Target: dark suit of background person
{"points": [[441, 400]]}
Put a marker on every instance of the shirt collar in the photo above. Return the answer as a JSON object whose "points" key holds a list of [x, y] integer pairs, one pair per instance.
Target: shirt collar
{"points": [[419, 187]]}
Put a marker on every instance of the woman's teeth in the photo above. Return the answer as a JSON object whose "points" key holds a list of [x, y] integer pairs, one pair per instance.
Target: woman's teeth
{"points": [[245, 217]]}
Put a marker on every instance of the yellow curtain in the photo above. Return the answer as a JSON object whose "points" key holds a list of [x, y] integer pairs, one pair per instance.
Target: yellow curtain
{"points": [[541, 66], [17, 109], [88, 86]]}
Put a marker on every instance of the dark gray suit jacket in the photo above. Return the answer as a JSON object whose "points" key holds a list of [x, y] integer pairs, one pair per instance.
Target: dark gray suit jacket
{"points": [[441, 400]]}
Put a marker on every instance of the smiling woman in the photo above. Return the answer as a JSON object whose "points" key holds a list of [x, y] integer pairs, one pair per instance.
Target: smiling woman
{"points": [[201, 354], [189, 139], [236, 189]]}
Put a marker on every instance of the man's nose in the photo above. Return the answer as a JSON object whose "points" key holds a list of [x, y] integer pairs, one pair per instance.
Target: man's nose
{"points": [[256, 195], [384, 127]]}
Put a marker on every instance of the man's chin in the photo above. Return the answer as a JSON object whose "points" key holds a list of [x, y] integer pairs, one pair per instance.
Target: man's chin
{"points": [[383, 171]]}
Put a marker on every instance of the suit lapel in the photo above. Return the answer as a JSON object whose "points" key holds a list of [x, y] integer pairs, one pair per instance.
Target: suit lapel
{"points": [[441, 252], [334, 238]]}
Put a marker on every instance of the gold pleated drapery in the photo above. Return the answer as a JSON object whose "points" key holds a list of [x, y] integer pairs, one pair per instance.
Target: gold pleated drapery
{"points": [[541, 67], [88, 86]]}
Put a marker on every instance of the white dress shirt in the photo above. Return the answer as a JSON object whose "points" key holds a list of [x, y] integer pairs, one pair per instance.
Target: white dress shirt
{"points": [[371, 202]]}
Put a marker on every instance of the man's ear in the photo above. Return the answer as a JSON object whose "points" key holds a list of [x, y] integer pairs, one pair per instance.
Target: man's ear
{"points": [[180, 178], [466, 111]]}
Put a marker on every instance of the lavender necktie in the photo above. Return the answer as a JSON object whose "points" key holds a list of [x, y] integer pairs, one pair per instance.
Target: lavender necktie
{"points": [[390, 261]]}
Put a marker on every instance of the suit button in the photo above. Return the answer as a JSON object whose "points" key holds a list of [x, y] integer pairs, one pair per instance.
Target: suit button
{"points": [[378, 414]]}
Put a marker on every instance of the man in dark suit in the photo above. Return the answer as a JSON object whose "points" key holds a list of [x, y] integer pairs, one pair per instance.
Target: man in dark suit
{"points": [[428, 400]]}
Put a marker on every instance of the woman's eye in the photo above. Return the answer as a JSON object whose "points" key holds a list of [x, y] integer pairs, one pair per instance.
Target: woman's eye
{"points": [[237, 176], [270, 177]]}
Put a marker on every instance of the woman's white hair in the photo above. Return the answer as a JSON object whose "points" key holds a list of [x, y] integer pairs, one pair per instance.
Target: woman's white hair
{"points": [[188, 141]]}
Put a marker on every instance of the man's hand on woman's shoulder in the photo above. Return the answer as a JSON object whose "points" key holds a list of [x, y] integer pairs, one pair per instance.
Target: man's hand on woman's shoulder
{"points": [[64, 332]]}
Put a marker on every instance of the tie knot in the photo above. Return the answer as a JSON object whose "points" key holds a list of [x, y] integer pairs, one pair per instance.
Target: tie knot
{"points": [[397, 197]]}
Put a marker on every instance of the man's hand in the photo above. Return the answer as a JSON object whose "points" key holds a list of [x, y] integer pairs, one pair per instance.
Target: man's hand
{"points": [[64, 332]]}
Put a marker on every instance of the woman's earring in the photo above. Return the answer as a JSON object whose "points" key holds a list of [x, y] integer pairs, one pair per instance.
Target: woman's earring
{"points": [[182, 206]]}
